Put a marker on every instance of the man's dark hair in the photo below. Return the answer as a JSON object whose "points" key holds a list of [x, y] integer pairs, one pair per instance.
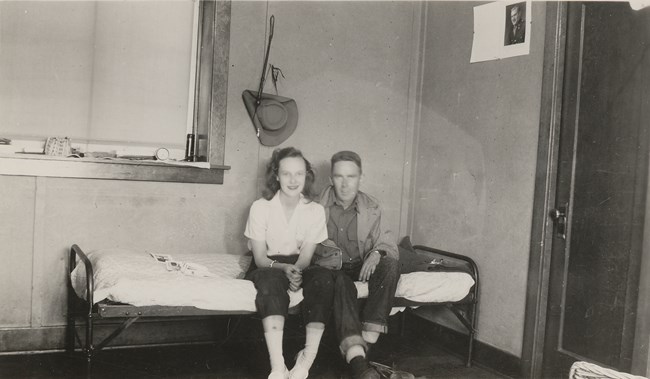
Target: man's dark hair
{"points": [[272, 183], [349, 156]]}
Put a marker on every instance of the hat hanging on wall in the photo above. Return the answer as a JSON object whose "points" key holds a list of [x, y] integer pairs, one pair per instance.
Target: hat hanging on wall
{"points": [[275, 117]]}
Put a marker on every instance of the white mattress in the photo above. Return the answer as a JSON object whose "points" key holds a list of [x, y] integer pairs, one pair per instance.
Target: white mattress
{"points": [[137, 278]]}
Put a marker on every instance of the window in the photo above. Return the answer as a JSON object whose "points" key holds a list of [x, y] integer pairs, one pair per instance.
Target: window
{"points": [[207, 96]]}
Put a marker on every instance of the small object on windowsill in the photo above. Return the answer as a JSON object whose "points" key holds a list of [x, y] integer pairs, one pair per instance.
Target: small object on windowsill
{"points": [[58, 146], [162, 154], [189, 147]]}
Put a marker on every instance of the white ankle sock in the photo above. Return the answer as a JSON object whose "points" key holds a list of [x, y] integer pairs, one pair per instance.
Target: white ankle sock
{"points": [[312, 341], [370, 337], [274, 344], [306, 356]]}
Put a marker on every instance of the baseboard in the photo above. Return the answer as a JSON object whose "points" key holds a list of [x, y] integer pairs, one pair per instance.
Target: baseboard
{"points": [[456, 343], [146, 332]]}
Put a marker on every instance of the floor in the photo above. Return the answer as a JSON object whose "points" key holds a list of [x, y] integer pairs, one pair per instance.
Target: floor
{"points": [[239, 357]]}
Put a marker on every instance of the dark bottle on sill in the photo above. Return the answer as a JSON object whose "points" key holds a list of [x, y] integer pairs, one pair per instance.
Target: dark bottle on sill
{"points": [[189, 148]]}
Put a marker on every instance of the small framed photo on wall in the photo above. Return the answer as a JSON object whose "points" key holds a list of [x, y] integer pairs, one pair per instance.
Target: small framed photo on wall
{"points": [[501, 30], [515, 30]]}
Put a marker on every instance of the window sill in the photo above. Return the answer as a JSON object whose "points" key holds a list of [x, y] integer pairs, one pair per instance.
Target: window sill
{"points": [[116, 169]]}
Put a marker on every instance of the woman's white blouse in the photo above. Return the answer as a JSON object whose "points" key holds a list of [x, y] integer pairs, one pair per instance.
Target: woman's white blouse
{"points": [[266, 222]]}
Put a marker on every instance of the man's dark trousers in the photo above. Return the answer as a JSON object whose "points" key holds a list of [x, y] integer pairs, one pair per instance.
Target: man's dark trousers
{"points": [[375, 313]]}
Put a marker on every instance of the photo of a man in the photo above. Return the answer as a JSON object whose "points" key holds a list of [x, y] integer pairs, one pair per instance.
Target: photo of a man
{"points": [[515, 24]]}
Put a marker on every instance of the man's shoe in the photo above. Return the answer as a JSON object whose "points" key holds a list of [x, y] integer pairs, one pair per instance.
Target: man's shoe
{"points": [[370, 373], [358, 365], [389, 372]]}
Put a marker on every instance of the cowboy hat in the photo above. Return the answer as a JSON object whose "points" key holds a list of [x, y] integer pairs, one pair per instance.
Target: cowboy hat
{"points": [[275, 117]]}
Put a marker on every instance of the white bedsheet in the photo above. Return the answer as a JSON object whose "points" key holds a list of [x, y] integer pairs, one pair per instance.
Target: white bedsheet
{"points": [[136, 278]]}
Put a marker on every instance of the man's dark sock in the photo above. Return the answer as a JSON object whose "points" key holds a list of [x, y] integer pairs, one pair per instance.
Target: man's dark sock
{"points": [[358, 365], [368, 348]]}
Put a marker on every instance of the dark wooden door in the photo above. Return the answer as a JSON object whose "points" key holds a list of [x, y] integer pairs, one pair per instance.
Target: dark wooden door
{"points": [[601, 187]]}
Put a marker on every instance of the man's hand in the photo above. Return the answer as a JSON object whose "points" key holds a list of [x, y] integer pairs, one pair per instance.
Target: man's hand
{"points": [[369, 266]]}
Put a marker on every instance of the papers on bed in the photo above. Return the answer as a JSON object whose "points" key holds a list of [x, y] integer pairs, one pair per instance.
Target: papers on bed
{"points": [[135, 278], [187, 268]]}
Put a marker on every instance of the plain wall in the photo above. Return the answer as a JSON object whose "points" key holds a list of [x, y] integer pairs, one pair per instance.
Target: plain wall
{"points": [[475, 162], [347, 66]]}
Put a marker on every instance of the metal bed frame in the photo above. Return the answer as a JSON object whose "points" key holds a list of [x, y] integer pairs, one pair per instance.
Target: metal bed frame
{"points": [[89, 312]]}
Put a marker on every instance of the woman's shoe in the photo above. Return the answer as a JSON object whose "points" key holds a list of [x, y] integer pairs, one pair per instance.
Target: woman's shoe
{"points": [[279, 374], [300, 370]]}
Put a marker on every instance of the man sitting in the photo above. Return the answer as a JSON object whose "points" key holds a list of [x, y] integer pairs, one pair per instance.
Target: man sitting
{"points": [[368, 253]]}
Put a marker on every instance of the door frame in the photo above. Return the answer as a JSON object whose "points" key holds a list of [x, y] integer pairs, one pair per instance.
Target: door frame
{"points": [[544, 200], [544, 193]]}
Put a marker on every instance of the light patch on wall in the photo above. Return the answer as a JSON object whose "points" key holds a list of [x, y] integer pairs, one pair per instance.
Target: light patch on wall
{"points": [[501, 30]]}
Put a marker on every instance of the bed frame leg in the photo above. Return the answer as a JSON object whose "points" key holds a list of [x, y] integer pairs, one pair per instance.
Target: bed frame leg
{"points": [[471, 349], [70, 331], [69, 335], [70, 326], [472, 333], [89, 349], [470, 324]]}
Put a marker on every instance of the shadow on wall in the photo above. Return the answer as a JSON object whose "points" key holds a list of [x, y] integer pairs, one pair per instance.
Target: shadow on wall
{"points": [[451, 188], [322, 170], [238, 243]]}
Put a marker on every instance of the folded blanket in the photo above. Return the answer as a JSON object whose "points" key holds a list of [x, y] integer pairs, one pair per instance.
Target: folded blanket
{"points": [[412, 261]]}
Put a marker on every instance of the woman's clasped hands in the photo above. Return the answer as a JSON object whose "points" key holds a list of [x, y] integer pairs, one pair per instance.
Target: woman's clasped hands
{"points": [[294, 274]]}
